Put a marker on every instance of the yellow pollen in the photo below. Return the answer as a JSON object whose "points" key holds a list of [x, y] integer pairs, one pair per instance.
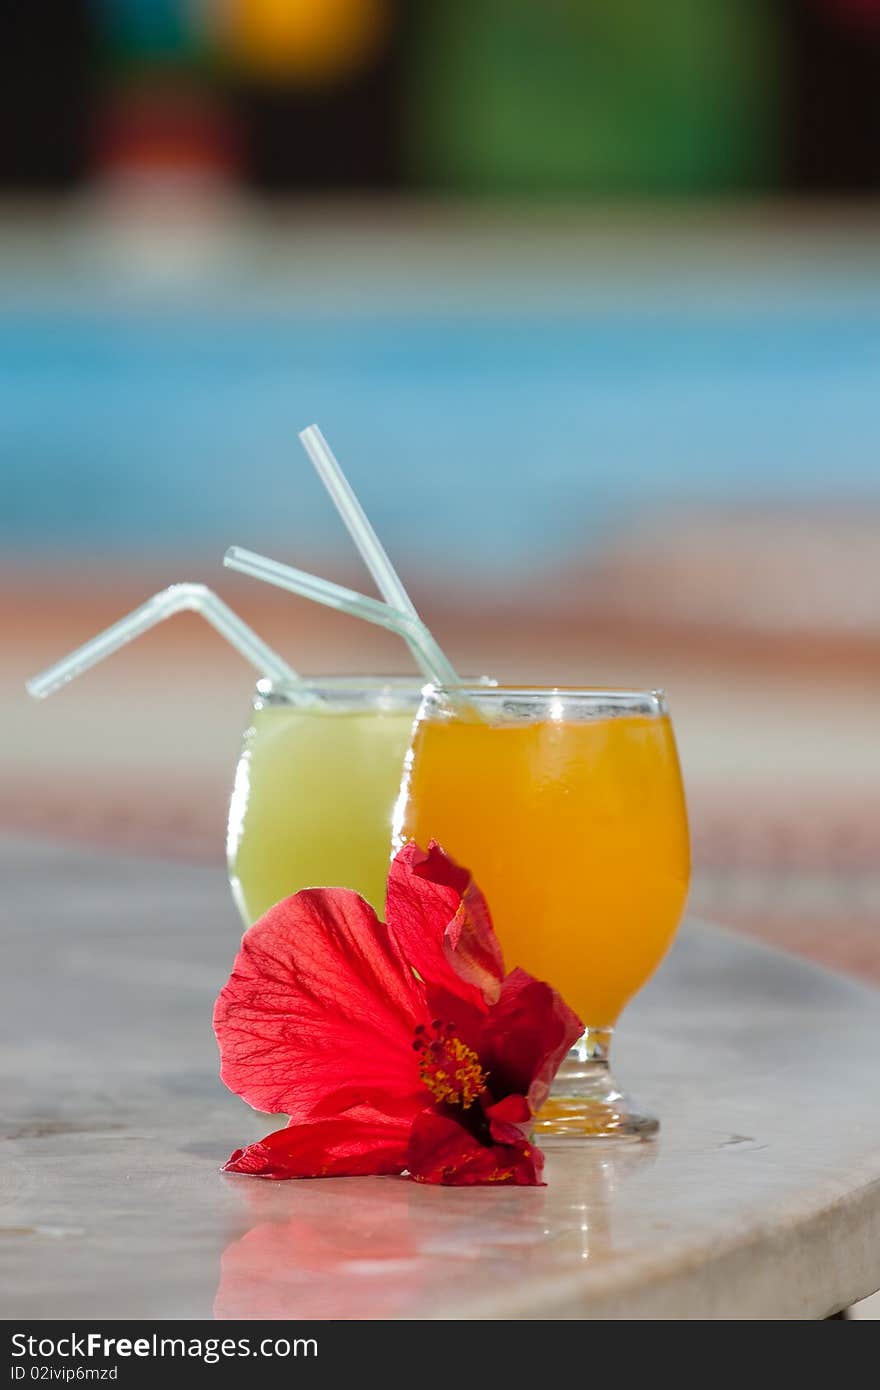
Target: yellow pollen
{"points": [[450, 1070]]}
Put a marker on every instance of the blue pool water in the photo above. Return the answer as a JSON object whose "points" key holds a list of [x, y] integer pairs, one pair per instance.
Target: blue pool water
{"points": [[480, 437]]}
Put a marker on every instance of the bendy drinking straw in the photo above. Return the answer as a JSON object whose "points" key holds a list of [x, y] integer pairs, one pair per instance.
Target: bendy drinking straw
{"points": [[428, 656], [177, 598], [359, 527], [372, 551]]}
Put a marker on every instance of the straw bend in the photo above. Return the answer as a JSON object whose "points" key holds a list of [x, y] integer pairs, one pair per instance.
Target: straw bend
{"points": [[428, 653], [177, 598], [428, 656]]}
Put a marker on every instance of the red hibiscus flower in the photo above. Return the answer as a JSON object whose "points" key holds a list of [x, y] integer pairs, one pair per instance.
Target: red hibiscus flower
{"points": [[391, 1047]]}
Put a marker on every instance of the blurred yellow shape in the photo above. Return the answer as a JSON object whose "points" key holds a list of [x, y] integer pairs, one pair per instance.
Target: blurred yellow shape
{"points": [[305, 40]]}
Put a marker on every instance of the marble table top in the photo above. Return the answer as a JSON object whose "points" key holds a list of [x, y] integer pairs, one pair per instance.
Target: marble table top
{"points": [[759, 1199]]}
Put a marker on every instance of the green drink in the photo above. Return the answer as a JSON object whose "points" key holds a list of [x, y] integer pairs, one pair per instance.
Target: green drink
{"points": [[315, 789]]}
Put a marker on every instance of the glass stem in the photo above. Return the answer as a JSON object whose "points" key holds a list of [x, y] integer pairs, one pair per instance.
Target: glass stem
{"points": [[584, 1072], [584, 1100], [592, 1047]]}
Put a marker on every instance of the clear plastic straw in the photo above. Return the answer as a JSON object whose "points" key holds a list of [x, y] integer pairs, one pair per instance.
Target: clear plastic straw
{"points": [[360, 528], [371, 548], [428, 656], [177, 598]]}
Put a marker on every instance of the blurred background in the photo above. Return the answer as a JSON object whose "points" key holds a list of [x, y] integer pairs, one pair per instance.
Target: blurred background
{"points": [[586, 296]]}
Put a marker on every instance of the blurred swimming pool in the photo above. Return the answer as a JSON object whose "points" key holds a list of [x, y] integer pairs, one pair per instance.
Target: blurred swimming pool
{"points": [[483, 436]]}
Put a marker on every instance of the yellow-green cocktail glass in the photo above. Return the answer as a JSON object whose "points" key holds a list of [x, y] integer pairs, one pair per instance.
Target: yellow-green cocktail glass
{"points": [[315, 788]]}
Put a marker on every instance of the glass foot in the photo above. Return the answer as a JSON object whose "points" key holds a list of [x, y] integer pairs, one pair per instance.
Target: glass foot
{"points": [[585, 1101]]}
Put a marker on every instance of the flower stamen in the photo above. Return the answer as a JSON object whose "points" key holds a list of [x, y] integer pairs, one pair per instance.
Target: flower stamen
{"points": [[450, 1070]]}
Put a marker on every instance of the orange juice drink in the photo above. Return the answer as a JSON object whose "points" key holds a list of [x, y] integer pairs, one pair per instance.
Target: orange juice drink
{"points": [[568, 808]]}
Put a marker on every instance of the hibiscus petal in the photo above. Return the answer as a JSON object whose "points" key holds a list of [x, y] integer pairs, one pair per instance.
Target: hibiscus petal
{"points": [[442, 1151], [325, 1149], [512, 1110], [355, 1102], [320, 999], [527, 1034], [442, 925]]}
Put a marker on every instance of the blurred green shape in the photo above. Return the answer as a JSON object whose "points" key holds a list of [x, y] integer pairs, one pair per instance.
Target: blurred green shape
{"points": [[608, 96], [149, 29]]}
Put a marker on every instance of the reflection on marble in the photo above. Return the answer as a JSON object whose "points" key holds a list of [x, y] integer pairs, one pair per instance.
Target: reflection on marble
{"points": [[760, 1198], [390, 1247]]}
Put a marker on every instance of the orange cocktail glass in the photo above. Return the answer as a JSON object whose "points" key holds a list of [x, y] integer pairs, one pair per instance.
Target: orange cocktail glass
{"points": [[568, 808]]}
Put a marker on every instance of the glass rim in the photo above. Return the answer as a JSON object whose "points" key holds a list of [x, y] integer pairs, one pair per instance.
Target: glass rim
{"points": [[648, 700], [280, 692], [269, 691]]}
